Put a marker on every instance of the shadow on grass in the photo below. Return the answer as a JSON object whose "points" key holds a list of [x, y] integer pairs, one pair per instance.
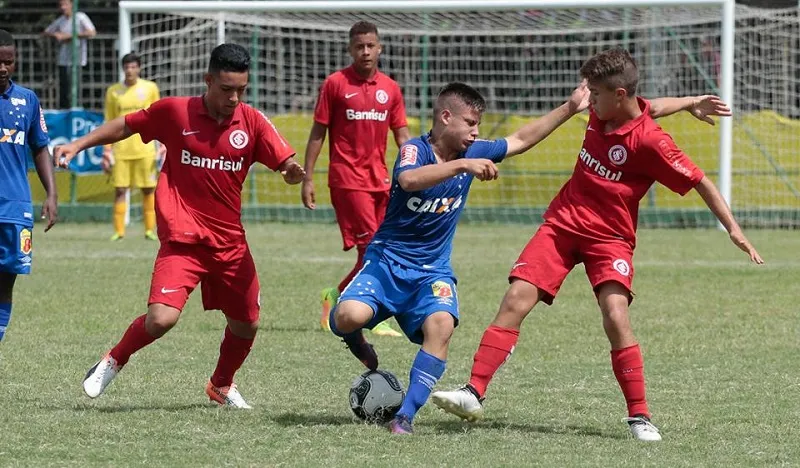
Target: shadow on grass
{"points": [[297, 419], [499, 425], [169, 407]]}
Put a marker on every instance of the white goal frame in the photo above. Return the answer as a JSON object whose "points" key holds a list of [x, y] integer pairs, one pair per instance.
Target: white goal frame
{"points": [[728, 8]]}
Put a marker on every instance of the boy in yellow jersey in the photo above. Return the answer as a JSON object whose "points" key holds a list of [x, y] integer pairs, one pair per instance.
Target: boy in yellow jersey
{"points": [[130, 162]]}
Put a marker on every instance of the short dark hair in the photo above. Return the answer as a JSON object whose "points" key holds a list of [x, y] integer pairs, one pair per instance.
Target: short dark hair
{"points": [[614, 68], [6, 39], [229, 58], [131, 57], [363, 27], [465, 93]]}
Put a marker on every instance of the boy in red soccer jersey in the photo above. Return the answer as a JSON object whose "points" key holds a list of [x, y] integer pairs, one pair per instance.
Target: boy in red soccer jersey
{"points": [[593, 221], [212, 140], [357, 106]]}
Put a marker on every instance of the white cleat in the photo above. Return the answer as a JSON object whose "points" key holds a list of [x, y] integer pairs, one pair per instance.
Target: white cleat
{"points": [[463, 402], [643, 429], [100, 375], [226, 396]]}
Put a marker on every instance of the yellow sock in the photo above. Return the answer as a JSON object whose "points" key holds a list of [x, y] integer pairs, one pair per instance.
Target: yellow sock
{"points": [[119, 217], [149, 211]]}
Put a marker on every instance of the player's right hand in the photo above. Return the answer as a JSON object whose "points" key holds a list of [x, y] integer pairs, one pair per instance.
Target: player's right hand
{"points": [[739, 240], [63, 154], [309, 197], [107, 162], [482, 169]]}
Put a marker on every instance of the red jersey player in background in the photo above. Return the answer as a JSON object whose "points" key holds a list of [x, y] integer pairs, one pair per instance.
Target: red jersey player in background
{"points": [[357, 106], [593, 221], [212, 140]]}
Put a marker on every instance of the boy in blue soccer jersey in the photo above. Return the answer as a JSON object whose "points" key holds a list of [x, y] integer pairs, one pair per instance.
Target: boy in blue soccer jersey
{"points": [[407, 272], [21, 126]]}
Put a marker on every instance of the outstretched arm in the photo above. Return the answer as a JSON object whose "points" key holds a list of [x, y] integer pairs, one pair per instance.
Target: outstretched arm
{"points": [[106, 134], [711, 196], [424, 177], [701, 107], [533, 132]]}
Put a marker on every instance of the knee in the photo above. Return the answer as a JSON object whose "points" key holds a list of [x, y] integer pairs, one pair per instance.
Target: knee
{"points": [[520, 299], [616, 315], [347, 317], [158, 324], [244, 329], [439, 328]]}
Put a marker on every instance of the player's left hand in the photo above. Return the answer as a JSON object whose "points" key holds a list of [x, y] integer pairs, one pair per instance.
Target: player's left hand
{"points": [[50, 211], [579, 100], [707, 105], [739, 240], [292, 172]]}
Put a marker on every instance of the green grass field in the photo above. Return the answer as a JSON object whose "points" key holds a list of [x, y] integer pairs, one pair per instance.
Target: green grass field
{"points": [[719, 337]]}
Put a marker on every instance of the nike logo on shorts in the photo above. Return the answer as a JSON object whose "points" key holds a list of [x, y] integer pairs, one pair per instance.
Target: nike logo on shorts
{"points": [[187, 133], [349, 95], [517, 265], [167, 291]]}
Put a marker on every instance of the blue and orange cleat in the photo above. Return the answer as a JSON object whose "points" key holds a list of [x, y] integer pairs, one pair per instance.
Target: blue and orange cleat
{"points": [[401, 425], [361, 349], [329, 298]]}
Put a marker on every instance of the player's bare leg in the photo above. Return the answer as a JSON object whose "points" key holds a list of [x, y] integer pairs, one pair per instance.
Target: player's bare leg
{"points": [[429, 366], [347, 320], [626, 358], [495, 348], [234, 349], [7, 281], [120, 208], [149, 213], [145, 329]]}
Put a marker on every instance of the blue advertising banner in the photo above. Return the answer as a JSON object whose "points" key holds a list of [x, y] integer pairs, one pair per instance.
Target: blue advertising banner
{"points": [[65, 126]]}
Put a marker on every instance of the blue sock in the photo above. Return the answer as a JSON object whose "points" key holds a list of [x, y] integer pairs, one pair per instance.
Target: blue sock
{"points": [[425, 372], [5, 317]]}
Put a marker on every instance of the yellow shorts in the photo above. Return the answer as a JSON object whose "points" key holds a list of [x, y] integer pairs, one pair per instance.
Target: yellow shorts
{"points": [[134, 173]]}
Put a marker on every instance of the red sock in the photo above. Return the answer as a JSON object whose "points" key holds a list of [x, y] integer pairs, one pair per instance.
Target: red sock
{"points": [[232, 352], [496, 346], [628, 367], [134, 339], [359, 263]]}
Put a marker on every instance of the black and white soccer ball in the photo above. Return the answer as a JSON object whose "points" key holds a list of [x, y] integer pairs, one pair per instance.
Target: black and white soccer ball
{"points": [[375, 396]]}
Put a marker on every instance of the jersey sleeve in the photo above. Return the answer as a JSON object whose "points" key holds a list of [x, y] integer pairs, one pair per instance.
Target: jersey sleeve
{"points": [[322, 111], [149, 123], [85, 23], [398, 112], [409, 157], [37, 131], [668, 165], [109, 111], [494, 150], [271, 148]]}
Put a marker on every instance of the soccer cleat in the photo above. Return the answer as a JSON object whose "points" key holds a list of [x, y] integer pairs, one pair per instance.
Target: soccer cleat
{"points": [[384, 329], [329, 298], [150, 235], [463, 403], [226, 396], [100, 375], [116, 237], [362, 350], [642, 428], [401, 425]]}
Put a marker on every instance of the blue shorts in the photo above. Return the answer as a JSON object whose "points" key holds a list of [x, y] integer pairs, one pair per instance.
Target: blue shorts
{"points": [[407, 294], [16, 248]]}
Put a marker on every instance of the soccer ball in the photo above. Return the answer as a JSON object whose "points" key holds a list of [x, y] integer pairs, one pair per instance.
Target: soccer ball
{"points": [[375, 396]]}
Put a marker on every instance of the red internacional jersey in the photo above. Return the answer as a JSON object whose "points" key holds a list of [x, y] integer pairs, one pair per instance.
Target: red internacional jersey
{"points": [[359, 114], [199, 191], [614, 171]]}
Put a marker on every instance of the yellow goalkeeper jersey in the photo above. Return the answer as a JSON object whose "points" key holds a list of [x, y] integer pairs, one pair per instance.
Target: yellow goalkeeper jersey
{"points": [[122, 100]]}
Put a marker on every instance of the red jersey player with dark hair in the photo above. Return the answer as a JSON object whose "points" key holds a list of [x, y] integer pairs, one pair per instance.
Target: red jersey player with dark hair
{"points": [[357, 106], [212, 140], [593, 221]]}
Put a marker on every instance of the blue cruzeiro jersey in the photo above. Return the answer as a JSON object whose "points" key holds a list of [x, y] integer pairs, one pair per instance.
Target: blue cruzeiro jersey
{"points": [[419, 226], [21, 126]]}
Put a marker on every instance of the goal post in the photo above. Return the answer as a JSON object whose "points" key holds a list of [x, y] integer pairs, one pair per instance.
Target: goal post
{"points": [[541, 30]]}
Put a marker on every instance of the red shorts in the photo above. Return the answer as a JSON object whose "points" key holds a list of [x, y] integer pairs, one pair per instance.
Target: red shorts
{"points": [[359, 214], [228, 276], [552, 253]]}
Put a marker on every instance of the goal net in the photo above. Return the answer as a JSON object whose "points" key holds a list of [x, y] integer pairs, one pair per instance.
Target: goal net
{"points": [[525, 62]]}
